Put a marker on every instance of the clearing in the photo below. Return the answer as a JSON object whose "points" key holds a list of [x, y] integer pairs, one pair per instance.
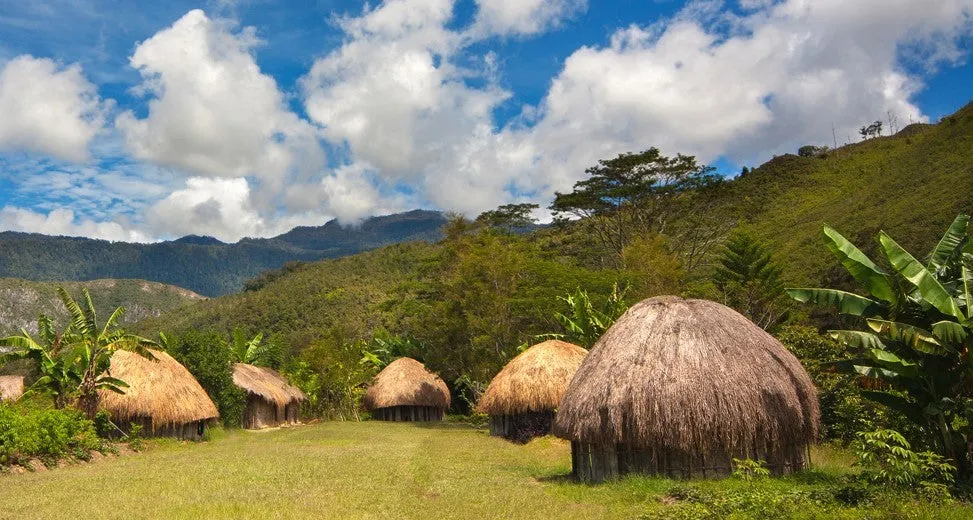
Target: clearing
{"points": [[365, 470]]}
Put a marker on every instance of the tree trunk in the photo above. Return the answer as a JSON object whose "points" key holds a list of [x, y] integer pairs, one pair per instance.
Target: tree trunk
{"points": [[88, 400]]}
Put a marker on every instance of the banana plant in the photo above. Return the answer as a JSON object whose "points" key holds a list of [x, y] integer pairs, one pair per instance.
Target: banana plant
{"points": [[918, 331], [583, 324], [250, 351], [59, 376], [91, 348]]}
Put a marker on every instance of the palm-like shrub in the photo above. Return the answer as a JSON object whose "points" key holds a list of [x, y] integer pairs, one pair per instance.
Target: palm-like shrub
{"points": [[77, 361], [919, 330]]}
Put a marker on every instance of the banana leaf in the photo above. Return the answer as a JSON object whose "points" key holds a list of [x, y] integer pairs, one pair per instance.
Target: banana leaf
{"points": [[857, 339], [929, 287], [845, 302], [877, 282], [915, 337], [954, 237]]}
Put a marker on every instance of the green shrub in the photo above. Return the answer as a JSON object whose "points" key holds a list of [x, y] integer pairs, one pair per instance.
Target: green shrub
{"points": [[47, 434], [207, 356], [844, 412], [889, 460]]}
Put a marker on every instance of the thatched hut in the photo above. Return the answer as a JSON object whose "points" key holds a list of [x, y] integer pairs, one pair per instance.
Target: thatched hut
{"points": [[11, 387], [271, 400], [162, 396], [680, 387], [406, 391], [523, 398]]}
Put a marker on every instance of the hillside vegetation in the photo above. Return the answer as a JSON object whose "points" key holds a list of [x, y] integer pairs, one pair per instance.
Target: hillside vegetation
{"points": [[202, 264], [911, 185], [22, 301]]}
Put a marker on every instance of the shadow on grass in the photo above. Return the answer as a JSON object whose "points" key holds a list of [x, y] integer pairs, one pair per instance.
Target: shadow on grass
{"points": [[558, 478]]}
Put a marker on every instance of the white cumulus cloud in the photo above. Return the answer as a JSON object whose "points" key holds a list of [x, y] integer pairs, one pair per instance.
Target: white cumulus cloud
{"points": [[63, 222], [212, 111], [48, 108], [523, 17]]}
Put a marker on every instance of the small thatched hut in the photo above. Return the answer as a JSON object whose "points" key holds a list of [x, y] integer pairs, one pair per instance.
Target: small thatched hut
{"points": [[681, 387], [11, 387], [271, 400], [523, 398], [406, 391], [162, 396]]}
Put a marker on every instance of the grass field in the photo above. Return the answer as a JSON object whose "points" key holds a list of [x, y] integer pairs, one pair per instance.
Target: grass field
{"points": [[382, 470]]}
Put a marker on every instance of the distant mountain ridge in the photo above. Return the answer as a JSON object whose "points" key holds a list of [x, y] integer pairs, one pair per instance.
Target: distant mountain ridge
{"points": [[22, 301], [203, 264]]}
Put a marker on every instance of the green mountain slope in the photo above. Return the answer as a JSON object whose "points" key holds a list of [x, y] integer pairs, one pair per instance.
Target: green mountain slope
{"points": [[910, 185], [22, 301], [203, 264]]}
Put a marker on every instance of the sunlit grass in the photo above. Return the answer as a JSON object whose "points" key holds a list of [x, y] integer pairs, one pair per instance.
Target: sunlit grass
{"points": [[360, 470]]}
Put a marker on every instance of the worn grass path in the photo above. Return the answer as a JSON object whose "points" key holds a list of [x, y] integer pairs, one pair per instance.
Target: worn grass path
{"points": [[351, 470], [328, 470]]}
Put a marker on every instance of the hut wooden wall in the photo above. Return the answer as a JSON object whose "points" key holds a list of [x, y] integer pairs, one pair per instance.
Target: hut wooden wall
{"points": [[600, 462], [292, 413], [192, 431], [521, 427], [409, 413], [261, 413]]}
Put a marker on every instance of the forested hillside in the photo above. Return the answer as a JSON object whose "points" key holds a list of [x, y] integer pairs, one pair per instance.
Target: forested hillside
{"points": [[22, 301], [483, 291], [202, 264]]}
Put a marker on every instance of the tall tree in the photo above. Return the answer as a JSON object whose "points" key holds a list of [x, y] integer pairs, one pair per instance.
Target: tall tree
{"points": [[747, 279], [509, 216], [631, 194]]}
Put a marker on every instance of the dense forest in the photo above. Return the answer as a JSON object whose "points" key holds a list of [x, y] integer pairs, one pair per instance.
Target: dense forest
{"points": [[202, 264]]}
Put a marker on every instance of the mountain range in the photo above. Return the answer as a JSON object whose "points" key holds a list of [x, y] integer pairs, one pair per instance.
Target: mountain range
{"points": [[204, 265]]}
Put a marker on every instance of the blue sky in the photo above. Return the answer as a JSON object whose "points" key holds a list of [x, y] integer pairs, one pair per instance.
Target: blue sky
{"points": [[151, 120]]}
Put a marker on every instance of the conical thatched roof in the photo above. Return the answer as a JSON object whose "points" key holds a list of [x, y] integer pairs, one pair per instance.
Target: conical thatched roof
{"points": [[534, 381], [161, 389], [266, 383], [406, 382], [11, 387], [692, 375]]}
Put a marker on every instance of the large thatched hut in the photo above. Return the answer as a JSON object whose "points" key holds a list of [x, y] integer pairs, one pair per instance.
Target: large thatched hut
{"points": [[162, 396], [271, 400], [11, 387], [406, 391], [680, 387], [523, 398]]}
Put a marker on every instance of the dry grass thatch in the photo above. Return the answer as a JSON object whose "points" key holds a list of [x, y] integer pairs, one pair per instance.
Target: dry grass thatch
{"points": [[11, 387], [534, 381], [690, 376], [266, 383], [406, 382], [161, 389]]}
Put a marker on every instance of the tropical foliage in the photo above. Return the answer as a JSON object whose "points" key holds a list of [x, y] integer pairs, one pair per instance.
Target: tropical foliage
{"points": [[747, 279], [918, 337], [77, 361]]}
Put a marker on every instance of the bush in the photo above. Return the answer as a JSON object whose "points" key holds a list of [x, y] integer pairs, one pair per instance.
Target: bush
{"points": [[889, 460], [843, 411], [208, 358], [47, 434], [333, 375]]}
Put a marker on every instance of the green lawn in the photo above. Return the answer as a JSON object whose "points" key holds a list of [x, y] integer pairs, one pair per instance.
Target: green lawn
{"points": [[372, 470]]}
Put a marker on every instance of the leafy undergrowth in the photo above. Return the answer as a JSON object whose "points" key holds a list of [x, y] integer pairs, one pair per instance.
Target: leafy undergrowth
{"points": [[29, 433], [386, 470]]}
